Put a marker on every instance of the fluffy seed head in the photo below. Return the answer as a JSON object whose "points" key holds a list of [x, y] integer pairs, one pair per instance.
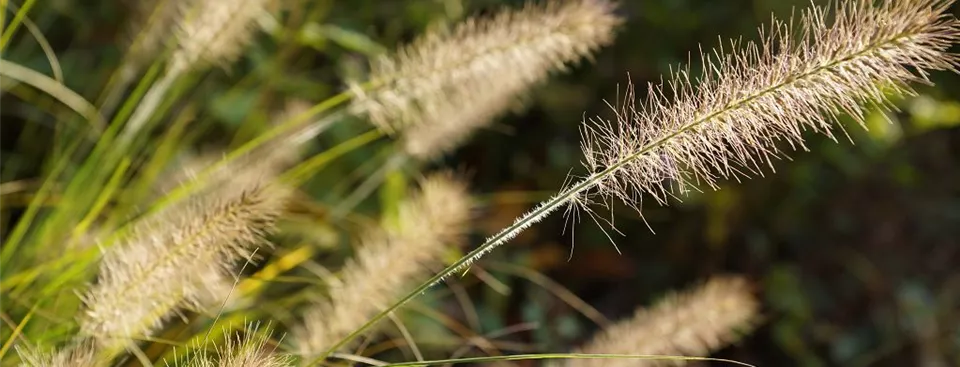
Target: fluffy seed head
{"points": [[249, 350], [455, 123], [388, 261], [215, 31], [178, 259], [483, 60], [693, 324], [151, 30], [730, 121], [79, 355]]}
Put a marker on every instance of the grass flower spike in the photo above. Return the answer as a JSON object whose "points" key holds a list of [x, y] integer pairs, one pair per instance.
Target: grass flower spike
{"points": [[249, 350], [455, 123], [445, 86], [484, 59], [388, 261], [177, 259], [215, 31], [729, 122], [210, 32], [691, 324], [151, 30], [80, 355]]}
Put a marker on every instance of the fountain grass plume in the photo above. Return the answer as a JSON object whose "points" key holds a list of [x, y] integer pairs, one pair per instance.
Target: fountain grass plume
{"points": [[388, 260], [745, 106], [692, 323], [500, 55]]}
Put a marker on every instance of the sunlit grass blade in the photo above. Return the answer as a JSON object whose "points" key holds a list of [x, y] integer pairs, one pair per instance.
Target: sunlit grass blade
{"points": [[10, 28], [16, 332], [41, 40], [15, 238], [111, 187], [56, 90], [314, 164]]}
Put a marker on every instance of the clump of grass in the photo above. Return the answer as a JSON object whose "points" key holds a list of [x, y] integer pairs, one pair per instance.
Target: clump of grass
{"points": [[731, 121]]}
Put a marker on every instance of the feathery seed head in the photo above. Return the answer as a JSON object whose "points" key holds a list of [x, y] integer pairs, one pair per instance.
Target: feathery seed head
{"points": [[215, 31], [249, 350], [482, 60], [154, 19], [729, 121], [82, 354], [802, 76], [178, 259], [456, 122], [693, 324], [388, 260]]}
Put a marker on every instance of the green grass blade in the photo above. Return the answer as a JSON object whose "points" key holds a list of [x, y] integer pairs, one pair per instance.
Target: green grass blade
{"points": [[11, 28], [185, 190], [112, 186], [313, 165], [525, 357], [56, 90], [17, 331], [24, 223]]}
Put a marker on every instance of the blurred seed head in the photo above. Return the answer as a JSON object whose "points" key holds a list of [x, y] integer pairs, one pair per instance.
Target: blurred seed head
{"points": [[81, 354], [215, 32], [248, 350], [486, 61], [150, 32], [179, 259], [693, 323], [455, 123], [388, 260]]}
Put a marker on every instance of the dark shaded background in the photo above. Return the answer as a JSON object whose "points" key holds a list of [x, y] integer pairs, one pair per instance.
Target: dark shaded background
{"points": [[853, 247]]}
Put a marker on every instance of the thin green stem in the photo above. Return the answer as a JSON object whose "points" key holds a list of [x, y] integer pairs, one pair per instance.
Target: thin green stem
{"points": [[33, 209], [11, 28], [524, 357], [147, 106], [369, 185], [56, 90], [303, 171]]}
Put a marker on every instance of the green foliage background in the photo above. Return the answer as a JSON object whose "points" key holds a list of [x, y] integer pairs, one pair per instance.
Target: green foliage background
{"points": [[854, 248]]}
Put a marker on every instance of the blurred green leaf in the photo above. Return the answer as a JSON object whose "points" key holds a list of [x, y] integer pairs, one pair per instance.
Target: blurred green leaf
{"points": [[316, 36], [931, 114]]}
